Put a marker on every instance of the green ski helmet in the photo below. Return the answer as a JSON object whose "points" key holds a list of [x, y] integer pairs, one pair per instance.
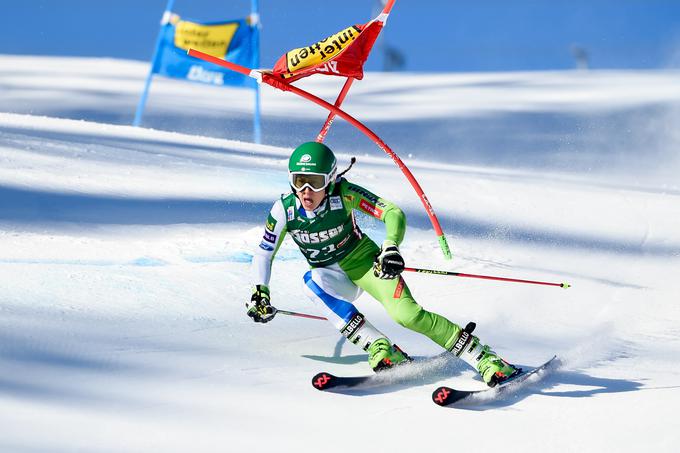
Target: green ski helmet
{"points": [[312, 165]]}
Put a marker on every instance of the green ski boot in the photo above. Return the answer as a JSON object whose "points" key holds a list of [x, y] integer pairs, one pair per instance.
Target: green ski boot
{"points": [[493, 369], [383, 355]]}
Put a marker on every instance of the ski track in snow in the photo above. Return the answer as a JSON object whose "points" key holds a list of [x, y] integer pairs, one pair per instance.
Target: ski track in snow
{"points": [[124, 258]]}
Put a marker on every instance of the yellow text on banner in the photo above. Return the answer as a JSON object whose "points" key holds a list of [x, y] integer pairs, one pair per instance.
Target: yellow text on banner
{"points": [[321, 51], [211, 39]]}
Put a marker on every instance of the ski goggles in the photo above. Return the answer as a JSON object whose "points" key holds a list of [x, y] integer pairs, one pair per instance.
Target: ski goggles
{"points": [[315, 181]]}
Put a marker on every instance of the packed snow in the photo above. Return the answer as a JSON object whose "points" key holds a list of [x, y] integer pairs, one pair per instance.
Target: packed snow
{"points": [[124, 261]]}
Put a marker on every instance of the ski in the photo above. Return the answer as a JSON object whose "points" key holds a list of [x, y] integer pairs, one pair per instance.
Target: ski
{"points": [[398, 375], [447, 396], [327, 381]]}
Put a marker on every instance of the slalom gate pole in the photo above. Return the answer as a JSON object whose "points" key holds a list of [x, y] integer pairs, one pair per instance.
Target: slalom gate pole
{"points": [[331, 116], [255, 43], [485, 277], [300, 315], [348, 83], [381, 144], [281, 85], [141, 105]]}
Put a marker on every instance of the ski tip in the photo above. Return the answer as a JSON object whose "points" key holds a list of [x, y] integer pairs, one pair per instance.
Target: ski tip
{"points": [[323, 381], [441, 395], [565, 285]]}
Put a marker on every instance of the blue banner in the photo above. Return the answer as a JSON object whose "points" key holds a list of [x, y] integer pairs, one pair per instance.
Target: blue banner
{"points": [[229, 40]]}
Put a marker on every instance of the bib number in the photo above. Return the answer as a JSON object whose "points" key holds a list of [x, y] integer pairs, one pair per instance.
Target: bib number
{"points": [[313, 253]]}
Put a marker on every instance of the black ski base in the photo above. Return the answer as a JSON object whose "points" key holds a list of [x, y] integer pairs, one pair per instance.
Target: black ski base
{"points": [[447, 396]]}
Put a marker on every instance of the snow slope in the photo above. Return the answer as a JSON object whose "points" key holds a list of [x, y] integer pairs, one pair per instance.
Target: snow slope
{"points": [[124, 259]]}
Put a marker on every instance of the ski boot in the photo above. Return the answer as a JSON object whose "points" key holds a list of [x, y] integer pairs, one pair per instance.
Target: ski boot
{"points": [[383, 355], [493, 369]]}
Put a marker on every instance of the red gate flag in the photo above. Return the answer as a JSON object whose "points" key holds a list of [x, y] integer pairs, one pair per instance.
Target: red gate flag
{"points": [[342, 54]]}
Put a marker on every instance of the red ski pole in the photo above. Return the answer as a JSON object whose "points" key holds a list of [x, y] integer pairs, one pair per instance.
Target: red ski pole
{"points": [[485, 277], [300, 315]]}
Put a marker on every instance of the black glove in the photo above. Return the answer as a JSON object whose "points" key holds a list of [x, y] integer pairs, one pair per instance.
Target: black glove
{"points": [[258, 307], [388, 264]]}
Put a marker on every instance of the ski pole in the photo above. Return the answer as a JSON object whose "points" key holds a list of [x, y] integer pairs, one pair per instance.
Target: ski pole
{"points": [[485, 277], [300, 315]]}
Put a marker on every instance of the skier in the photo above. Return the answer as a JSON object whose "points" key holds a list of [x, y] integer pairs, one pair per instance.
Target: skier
{"points": [[318, 215]]}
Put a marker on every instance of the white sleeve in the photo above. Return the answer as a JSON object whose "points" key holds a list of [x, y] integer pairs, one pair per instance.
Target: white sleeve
{"points": [[274, 230]]}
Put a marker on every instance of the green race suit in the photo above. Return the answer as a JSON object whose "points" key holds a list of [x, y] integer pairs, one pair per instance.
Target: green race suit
{"points": [[329, 236]]}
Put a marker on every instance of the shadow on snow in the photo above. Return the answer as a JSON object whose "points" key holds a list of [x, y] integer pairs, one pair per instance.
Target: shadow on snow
{"points": [[39, 207], [590, 386]]}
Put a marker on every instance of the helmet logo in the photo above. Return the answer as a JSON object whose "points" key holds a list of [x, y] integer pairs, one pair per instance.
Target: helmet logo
{"points": [[306, 160]]}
